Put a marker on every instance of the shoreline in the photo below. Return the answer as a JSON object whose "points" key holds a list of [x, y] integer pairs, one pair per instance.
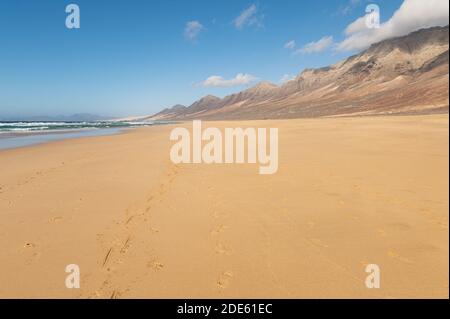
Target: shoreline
{"points": [[349, 192], [85, 133], [26, 139], [16, 139]]}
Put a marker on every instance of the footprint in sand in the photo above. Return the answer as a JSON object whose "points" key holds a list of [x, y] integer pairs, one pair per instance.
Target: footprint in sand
{"points": [[224, 279], [115, 295], [132, 217], [222, 249], [125, 246], [129, 220], [55, 219], [172, 178], [218, 230], [317, 242], [155, 265]]}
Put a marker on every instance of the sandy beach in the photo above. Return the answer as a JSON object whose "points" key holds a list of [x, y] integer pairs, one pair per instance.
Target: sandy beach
{"points": [[348, 192]]}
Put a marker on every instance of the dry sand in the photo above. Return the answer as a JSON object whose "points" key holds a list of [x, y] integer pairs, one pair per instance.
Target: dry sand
{"points": [[348, 192]]}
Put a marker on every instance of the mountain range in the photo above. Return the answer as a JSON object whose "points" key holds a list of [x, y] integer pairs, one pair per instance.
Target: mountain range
{"points": [[403, 75]]}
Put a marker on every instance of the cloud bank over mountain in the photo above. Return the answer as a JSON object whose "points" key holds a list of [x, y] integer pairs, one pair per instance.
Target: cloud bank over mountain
{"points": [[411, 16]]}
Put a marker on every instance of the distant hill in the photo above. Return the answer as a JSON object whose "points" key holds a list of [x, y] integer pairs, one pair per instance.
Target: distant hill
{"points": [[404, 75]]}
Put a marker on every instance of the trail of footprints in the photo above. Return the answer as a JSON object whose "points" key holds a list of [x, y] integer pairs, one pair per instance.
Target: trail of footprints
{"points": [[117, 249], [221, 248], [32, 177]]}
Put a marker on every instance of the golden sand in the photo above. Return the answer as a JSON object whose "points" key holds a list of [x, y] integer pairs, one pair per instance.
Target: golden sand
{"points": [[348, 192]]}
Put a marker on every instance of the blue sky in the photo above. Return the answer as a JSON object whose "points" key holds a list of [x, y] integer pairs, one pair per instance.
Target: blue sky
{"points": [[136, 57]]}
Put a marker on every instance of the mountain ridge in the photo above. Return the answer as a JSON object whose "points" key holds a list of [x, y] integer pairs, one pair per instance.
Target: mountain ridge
{"points": [[402, 75]]}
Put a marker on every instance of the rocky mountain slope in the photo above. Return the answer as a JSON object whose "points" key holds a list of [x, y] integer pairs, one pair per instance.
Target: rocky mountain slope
{"points": [[405, 75]]}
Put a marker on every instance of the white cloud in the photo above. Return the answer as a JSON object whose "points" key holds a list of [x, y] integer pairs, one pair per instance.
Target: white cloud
{"points": [[249, 17], [351, 4], [193, 29], [411, 16], [218, 81], [290, 45], [356, 26], [317, 46], [286, 78]]}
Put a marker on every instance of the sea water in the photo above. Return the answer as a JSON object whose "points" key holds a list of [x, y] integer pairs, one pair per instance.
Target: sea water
{"points": [[20, 134]]}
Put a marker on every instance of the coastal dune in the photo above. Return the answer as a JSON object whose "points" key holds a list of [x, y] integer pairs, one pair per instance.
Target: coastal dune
{"points": [[349, 192]]}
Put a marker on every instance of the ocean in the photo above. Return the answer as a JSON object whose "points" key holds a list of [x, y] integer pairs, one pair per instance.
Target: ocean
{"points": [[20, 134]]}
